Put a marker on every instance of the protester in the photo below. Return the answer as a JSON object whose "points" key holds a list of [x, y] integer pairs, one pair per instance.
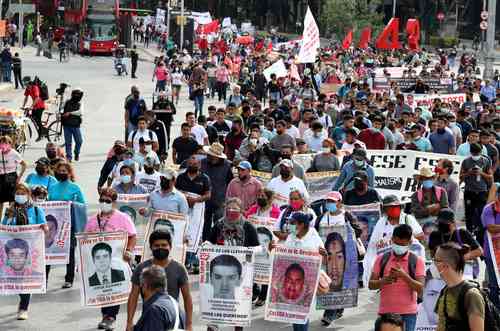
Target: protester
{"points": [[444, 170], [389, 322], [71, 122], [41, 174], [361, 193], [245, 187], [9, 174], [286, 182], [359, 162], [429, 199], [264, 206]]}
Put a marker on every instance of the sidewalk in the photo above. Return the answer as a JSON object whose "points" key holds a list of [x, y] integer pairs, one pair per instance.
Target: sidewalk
{"points": [[148, 54], [6, 86]]}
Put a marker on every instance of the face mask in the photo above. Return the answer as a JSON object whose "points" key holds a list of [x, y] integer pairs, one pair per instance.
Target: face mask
{"points": [[394, 212], [317, 134], [399, 250], [192, 169], [161, 253], [253, 142], [61, 177], [286, 157], [51, 154], [359, 163], [440, 131], [331, 207], [285, 173], [164, 183], [444, 228], [148, 148], [296, 205], [128, 162], [476, 157], [40, 170], [105, 207], [21, 199], [292, 229], [126, 179], [434, 271], [325, 149], [149, 170], [232, 215], [428, 183], [262, 202], [376, 130]]}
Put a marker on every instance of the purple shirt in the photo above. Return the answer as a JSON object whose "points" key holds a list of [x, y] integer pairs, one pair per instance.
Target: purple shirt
{"points": [[489, 217]]}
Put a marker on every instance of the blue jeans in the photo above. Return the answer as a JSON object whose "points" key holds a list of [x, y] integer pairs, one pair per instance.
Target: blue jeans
{"points": [[301, 327], [275, 96], [331, 314], [198, 105], [7, 69], [71, 133], [410, 321], [192, 259], [24, 302], [110, 311]]}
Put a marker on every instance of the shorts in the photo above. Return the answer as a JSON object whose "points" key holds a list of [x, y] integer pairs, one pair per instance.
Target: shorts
{"points": [[7, 187]]}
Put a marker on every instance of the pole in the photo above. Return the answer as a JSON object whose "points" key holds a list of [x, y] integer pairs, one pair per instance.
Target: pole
{"points": [[1, 9], [394, 8], [181, 46], [483, 33], [490, 40], [21, 23], [168, 19]]}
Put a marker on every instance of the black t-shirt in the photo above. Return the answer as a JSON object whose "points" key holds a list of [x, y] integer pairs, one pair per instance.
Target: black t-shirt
{"points": [[198, 185], [216, 236], [213, 135], [437, 238], [184, 147], [351, 198]]}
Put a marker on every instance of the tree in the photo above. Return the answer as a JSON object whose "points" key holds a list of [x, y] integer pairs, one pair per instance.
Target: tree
{"points": [[339, 16]]}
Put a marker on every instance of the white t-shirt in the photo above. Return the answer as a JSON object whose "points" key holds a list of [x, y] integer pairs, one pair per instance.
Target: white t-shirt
{"points": [[326, 120], [199, 134], [116, 171], [150, 182], [293, 132], [284, 188], [146, 134], [9, 161], [176, 78], [311, 241], [139, 158]]}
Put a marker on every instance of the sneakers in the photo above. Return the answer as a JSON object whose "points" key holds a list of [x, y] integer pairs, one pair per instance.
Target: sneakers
{"points": [[22, 315], [67, 285], [260, 303], [77, 157], [107, 323]]}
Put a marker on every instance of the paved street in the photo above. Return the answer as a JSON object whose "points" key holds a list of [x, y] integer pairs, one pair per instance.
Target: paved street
{"points": [[103, 123]]}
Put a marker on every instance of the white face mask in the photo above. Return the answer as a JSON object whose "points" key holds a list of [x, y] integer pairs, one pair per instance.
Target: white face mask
{"points": [[434, 271], [476, 157], [148, 148], [325, 149], [105, 207]]}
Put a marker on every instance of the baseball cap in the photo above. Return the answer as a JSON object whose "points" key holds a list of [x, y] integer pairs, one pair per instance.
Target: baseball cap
{"points": [[287, 163], [245, 165], [334, 196], [168, 173], [149, 161], [359, 153], [446, 215], [43, 160], [391, 200]]}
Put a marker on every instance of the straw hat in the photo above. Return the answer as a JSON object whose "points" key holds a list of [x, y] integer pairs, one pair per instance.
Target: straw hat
{"points": [[216, 150], [426, 172]]}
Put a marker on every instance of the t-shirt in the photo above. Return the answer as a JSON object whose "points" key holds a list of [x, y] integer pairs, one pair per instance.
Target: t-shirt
{"points": [[459, 236], [66, 191], [282, 139], [176, 276], [283, 189], [398, 297], [9, 161], [474, 305], [471, 182], [442, 143], [351, 198], [198, 185], [117, 222], [150, 182], [199, 133], [176, 78], [184, 148], [146, 134], [35, 179]]}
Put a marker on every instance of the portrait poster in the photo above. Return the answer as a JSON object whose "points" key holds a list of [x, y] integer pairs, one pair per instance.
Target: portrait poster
{"points": [[427, 319], [367, 217], [196, 219], [130, 205], [341, 265], [104, 275], [57, 241], [493, 247], [262, 264], [175, 224], [22, 260], [319, 184], [226, 282], [294, 280]]}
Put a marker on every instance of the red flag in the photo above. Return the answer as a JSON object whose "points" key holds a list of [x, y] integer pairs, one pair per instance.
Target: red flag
{"points": [[388, 38], [259, 46], [270, 47], [347, 40], [365, 37], [209, 28]]}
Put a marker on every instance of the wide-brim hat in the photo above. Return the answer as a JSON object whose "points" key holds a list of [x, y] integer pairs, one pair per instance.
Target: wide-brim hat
{"points": [[215, 150], [426, 172]]}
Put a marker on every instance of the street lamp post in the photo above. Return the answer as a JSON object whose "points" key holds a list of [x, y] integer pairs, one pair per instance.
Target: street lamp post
{"points": [[490, 40], [394, 8], [21, 23], [181, 46]]}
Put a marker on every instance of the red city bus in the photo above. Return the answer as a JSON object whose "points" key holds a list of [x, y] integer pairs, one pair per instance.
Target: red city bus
{"points": [[97, 22]]}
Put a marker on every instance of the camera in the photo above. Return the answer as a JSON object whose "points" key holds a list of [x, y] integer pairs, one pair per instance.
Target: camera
{"points": [[62, 87]]}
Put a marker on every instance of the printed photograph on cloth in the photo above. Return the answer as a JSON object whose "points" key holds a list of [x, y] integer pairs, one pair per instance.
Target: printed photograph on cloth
{"points": [[130, 205], [175, 224], [57, 240]]}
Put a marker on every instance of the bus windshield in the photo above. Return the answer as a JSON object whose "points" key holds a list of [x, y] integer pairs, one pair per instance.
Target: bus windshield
{"points": [[101, 31]]}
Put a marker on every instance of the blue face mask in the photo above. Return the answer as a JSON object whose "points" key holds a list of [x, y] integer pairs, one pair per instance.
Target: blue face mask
{"points": [[428, 183], [292, 229], [128, 162], [331, 207], [399, 250], [126, 179], [21, 199]]}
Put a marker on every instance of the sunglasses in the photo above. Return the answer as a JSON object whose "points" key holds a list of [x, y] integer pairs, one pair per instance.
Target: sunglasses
{"points": [[104, 200]]}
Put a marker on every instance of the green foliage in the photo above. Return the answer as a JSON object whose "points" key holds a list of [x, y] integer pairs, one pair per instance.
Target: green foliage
{"points": [[339, 16], [443, 42]]}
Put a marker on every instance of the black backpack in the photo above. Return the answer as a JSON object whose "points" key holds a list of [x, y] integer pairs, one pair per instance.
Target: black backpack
{"points": [[491, 312], [44, 90]]}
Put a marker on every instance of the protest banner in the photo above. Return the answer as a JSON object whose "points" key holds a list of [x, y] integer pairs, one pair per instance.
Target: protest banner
{"points": [[395, 170], [130, 205], [310, 39], [341, 265], [57, 241], [304, 160], [175, 224], [196, 219], [262, 264], [278, 68], [427, 319], [226, 280], [435, 84], [319, 184], [367, 217], [428, 99], [294, 280], [493, 248], [22, 260], [104, 275]]}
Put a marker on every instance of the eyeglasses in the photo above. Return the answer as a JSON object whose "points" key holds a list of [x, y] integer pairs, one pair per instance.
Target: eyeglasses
{"points": [[104, 200]]}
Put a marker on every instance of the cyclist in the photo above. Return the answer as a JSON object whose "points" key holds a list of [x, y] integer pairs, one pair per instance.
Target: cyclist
{"points": [[62, 50], [37, 107], [71, 120]]}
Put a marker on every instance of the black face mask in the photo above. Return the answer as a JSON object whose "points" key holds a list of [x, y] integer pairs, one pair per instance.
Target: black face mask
{"points": [[164, 183], [285, 173], [161, 253], [51, 154], [192, 169], [40, 170], [286, 156], [444, 228], [262, 202], [61, 177], [359, 185], [149, 170], [440, 131]]}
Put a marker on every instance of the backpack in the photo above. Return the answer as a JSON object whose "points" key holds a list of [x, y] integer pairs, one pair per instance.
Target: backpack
{"points": [[412, 263], [135, 133], [44, 90], [491, 312], [438, 190]]}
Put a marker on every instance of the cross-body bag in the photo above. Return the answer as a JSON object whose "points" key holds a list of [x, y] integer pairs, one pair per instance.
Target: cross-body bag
{"points": [[177, 314]]}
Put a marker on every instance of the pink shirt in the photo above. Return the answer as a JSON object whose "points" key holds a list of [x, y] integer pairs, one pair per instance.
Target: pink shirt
{"points": [[161, 73], [117, 222], [398, 297], [273, 212], [246, 192], [9, 161], [222, 75]]}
